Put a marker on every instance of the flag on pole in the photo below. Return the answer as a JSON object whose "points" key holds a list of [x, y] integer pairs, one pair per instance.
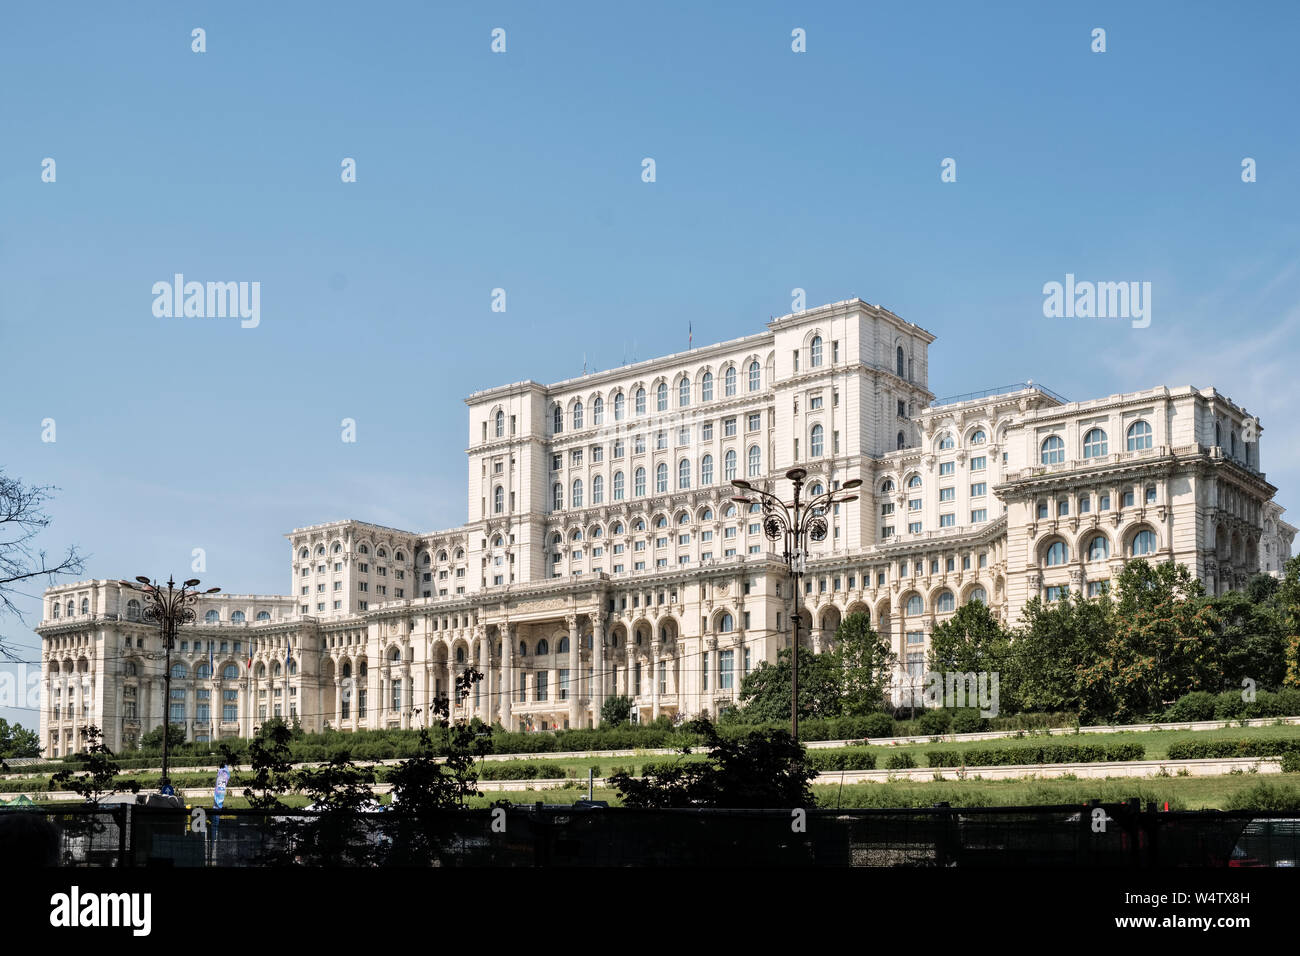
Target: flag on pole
{"points": [[250, 655], [287, 659], [690, 336]]}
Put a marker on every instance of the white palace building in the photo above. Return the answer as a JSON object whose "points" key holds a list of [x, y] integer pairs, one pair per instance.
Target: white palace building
{"points": [[602, 554]]}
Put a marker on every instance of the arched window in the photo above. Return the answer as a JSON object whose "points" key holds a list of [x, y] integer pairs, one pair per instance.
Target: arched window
{"points": [[236, 617], [978, 594], [179, 672], [1139, 436], [500, 426], [683, 474], [563, 646], [543, 648], [1099, 548], [498, 500], [1057, 554], [132, 610], [1094, 443], [264, 615], [557, 419], [1218, 434], [261, 671], [303, 554], [598, 411], [640, 401], [577, 414], [726, 624], [887, 487], [85, 605], [275, 671], [915, 605], [1144, 542], [557, 497], [914, 482], [1053, 450], [202, 671], [212, 617], [620, 406], [523, 649], [816, 351], [683, 392], [577, 492], [638, 483], [902, 442], [598, 489], [729, 466], [706, 471], [684, 518], [661, 397], [230, 672], [978, 437], [706, 387], [898, 359], [363, 549], [661, 478], [755, 379], [618, 486], [945, 442], [755, 462], [815, 445], [947, 602], [729, 380], [557, 540]]}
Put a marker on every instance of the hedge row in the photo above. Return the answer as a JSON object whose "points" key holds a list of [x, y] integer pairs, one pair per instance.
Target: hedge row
{"points": [[1202, 705], [1046, 753], [1251, 747]]}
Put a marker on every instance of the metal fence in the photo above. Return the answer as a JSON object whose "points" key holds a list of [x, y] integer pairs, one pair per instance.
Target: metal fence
{"points": [[1111, 835]]}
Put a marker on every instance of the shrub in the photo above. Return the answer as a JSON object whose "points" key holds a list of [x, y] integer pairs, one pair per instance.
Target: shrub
{"points": [[967, 720], [1198, 705], [1229, 706], [842, 758], [1291, 761], [1249, 747], [876, 725], [900, 761], [1265, 796], [1047, 753], [934, 722]]}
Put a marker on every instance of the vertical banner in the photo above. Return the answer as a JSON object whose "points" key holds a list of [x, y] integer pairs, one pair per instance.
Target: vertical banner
{"points": [[219, 795]]}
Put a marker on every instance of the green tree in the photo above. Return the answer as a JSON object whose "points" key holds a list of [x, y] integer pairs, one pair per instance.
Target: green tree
{"points": [[765, 691], [100, 777], [616, 711], [1287, 602], [759, 769], [1058, 639], [154, 738], [863, 662], [272, 765], [974, 641], [17, 741], [1249, 639], [1161, 645], [342, 829]]}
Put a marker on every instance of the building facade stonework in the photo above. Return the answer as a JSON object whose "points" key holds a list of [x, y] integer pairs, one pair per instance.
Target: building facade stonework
{"points": [[603, 555]]}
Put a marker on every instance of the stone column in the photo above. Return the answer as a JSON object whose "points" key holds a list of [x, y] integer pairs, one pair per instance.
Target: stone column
{"points": [[408, 695], [507, 676], [598, 679], [656, 648], [575, 677], [335, 722], [630, 678]]}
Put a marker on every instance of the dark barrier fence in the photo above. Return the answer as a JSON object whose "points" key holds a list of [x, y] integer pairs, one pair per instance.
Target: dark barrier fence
{"points": [[1111, 835]]}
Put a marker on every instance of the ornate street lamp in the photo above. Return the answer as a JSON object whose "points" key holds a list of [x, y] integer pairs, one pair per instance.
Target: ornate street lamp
{"points": [[794, 523], [168, 609]]}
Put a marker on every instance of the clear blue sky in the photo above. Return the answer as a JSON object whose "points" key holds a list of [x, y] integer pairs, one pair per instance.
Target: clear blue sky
{"points": [[522, 170]]}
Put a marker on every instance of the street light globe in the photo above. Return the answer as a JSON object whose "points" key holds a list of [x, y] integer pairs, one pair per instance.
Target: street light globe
{"points": [[853, 483], [741, 483]]}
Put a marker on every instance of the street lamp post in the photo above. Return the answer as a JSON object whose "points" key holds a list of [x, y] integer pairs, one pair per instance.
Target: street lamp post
{"points": [[794, 523], [168, 609]]}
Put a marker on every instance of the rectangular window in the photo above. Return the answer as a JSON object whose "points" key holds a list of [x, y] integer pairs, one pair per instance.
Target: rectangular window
{"points": [[729, 427], [755, 421], [1128, 499], [978, 463], [947, 520], [1151, 495], [887, 531], [814, 403], [542, 689], [706, 431], [984, 560], [947, 494], [1085, 505], [597, 453], [575, 457], [1056, 593], [1062, 508], [564, 683], [914, 527], [979, 489], [1103, 502], [726, 662], [914, 504], [887, 508], [947, 468], [979, 514]]}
